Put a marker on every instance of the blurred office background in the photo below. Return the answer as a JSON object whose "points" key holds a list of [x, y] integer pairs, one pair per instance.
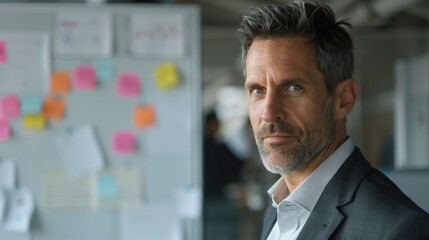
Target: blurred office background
{"points": [[390, 122]]}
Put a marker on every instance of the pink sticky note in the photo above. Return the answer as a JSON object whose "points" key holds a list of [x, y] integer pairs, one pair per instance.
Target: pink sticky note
{"points": [[9, 106], [4, 129], [3, 52], [124, 142], [128, 84], [84, 77]]}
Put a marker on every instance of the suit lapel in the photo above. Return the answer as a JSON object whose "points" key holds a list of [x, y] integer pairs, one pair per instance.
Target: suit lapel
{"points": [[269, 221]]}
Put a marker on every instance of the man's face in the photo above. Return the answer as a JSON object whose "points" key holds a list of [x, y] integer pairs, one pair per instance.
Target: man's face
{"points": [[289, 107]]}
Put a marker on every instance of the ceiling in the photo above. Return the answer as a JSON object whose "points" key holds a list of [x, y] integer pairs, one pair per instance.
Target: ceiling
{"points": [[363, 14]]}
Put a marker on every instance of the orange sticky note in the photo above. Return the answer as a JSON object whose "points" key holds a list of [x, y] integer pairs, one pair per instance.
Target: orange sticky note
{"points": [[34, 121], [166, 75], [54, 107], [144, 116], [4, 129], [60, 82]]}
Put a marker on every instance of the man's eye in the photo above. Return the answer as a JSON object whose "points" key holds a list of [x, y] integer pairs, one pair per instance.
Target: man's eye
{"points": [[294, 88], [257, 91]]}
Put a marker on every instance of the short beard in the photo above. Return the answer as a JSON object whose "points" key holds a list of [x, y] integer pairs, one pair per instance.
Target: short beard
{"points": [[318, 138]]}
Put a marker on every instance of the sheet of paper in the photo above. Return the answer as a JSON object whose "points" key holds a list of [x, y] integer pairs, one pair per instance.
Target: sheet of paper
{"points": [[156, 220], [26, 68], [144, 116], [158, 34], [105, 69], [54, 107], [80, 151], [173, 115], [84, 77], [9, 106], [7, 174], [31, 103], [166, 75], [60, 82], [86, 34], [3, 51], [20, 208], [2, 205], [119, 187], [59, 191], [189, 202], [128, 84], [5, 132], [34, 121], [124, 142]]}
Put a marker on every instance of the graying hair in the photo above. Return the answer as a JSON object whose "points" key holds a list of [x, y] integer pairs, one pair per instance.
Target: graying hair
{"points": [[317, 22]]}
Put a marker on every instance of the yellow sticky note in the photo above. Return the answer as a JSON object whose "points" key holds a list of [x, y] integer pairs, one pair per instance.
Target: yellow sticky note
{"points": [[60, 82], [54, 107], [144, 116], [166, 75], [34, 121]]}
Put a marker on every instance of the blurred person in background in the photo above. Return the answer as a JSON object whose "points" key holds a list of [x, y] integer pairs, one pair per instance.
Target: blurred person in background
{"points": [[298, 67]]}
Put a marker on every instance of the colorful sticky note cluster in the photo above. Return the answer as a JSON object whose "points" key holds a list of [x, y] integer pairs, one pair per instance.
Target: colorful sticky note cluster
{"points": [[9, 106], [4, 129], [54, 107], [60, 82], [84, 77], [124, 142], [166, 75], [34, 121], [144, 116], [3, 51], [128, 84]]}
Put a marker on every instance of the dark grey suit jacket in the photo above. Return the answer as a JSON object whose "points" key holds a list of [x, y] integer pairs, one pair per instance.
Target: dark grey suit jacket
{"points": [[360, 202]]}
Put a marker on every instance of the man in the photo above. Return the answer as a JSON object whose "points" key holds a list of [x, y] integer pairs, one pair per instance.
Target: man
{"points": [[298, 65]]}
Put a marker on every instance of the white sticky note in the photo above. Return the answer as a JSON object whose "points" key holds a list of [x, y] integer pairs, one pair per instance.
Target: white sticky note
{"points": [[80, 151], [20, 208], [189, 202], [7, 174]]}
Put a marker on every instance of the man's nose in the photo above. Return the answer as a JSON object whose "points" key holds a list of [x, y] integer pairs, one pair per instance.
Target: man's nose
{"points": [[273, 108]]}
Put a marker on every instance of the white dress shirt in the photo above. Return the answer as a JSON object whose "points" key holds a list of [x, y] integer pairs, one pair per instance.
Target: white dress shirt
{"points": [[294, 208]]}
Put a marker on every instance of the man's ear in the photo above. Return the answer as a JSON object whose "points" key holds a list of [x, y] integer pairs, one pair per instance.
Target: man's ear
{"points": [[345, 94]]}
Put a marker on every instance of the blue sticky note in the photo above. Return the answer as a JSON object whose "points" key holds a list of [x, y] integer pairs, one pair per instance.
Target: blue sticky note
{"points": [[104, 68], [31, 104], [107, 186]]}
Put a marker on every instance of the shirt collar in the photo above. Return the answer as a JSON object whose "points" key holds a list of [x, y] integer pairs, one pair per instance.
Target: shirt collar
{"points": [[309, 191]]}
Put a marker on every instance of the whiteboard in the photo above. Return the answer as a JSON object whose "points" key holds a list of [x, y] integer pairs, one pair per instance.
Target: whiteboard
{"points": [[167, 155]]}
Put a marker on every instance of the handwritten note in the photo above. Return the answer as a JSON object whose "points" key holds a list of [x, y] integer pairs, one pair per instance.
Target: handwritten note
{"points": [[31, 104], [54, 107], [84, 77], [80, 151], [34, 121], [60, 82], [124, 142], [158, 34], [166, 75], [19, 211], [128, 84], [87, 34], [9, 106], [3, 51], [144, 116], [4, 129]]}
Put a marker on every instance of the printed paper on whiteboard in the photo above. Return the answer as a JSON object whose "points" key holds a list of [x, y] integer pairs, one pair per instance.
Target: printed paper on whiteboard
{"points": [[158, 34], [83, 34], [26, 67]]}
